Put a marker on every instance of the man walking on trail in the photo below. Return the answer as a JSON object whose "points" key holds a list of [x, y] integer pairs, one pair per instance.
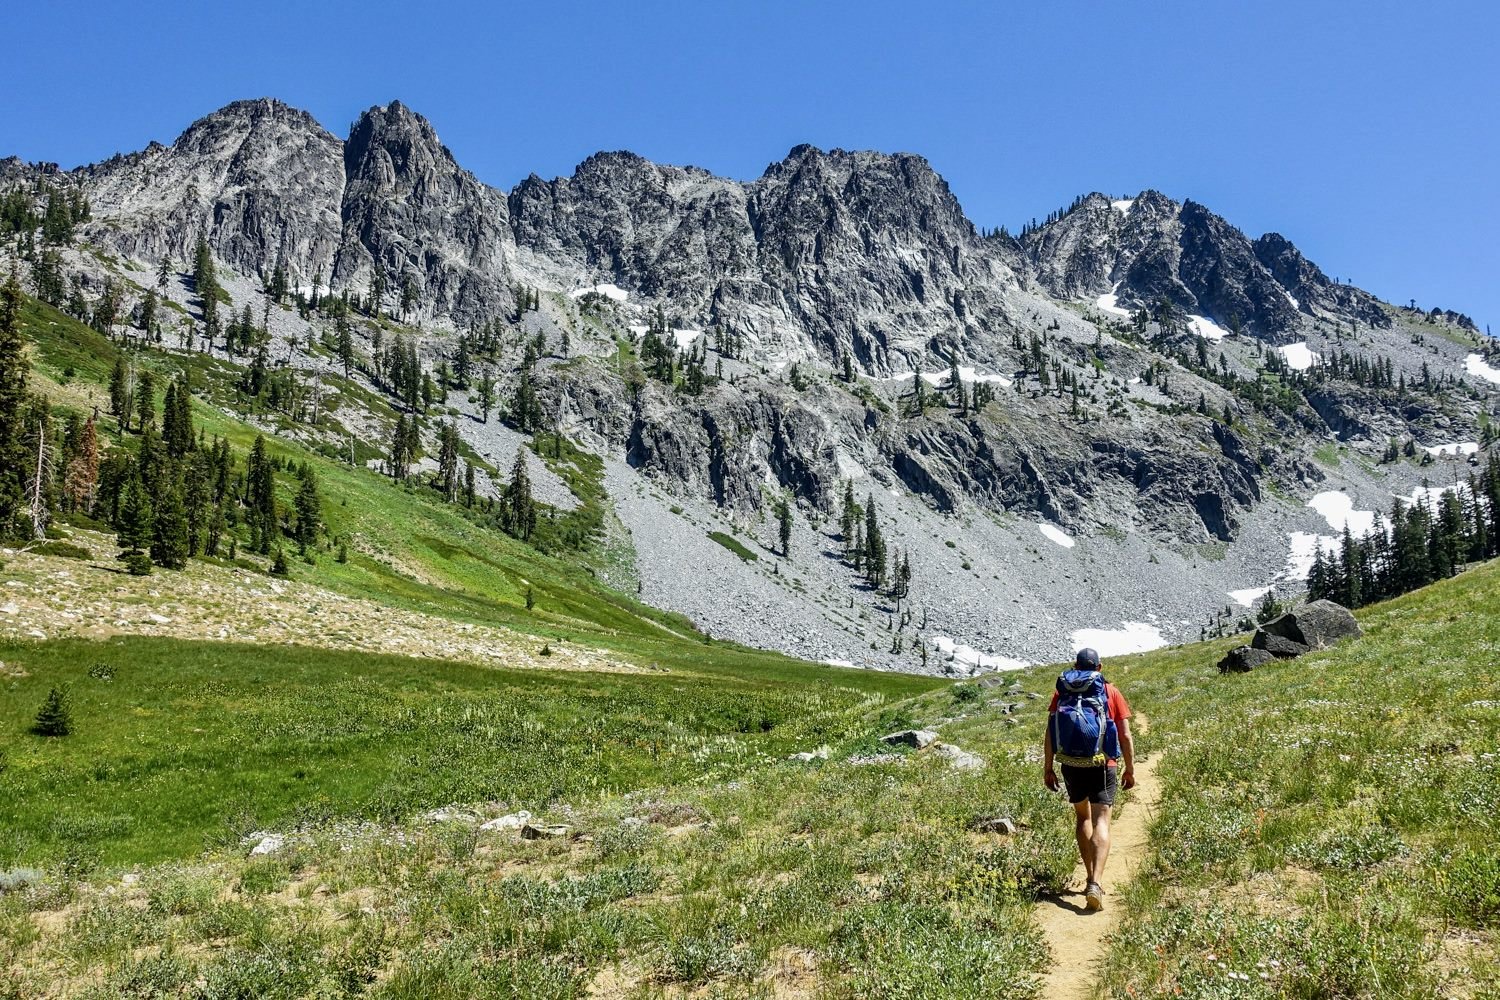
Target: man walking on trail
{"points": [[1088, 733]]}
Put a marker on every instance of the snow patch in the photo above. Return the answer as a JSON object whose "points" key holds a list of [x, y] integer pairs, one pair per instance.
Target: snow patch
{"points": [[1123, 205], [1110, 304], [1248, 597], [1338, 510], [1056, 534], [971, 657], [837, 663], [1475, 365], [613, 292], [1131, 637], [685, 338], [1206, 328], [941, 378], [1298, 356], [1292, 299], [1304, 551], [1456, 448]]}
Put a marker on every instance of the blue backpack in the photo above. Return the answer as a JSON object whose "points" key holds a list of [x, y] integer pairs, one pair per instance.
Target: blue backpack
{"points": [[1083, 734]]}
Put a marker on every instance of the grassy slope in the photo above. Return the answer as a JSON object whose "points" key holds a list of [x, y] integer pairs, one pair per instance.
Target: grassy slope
{"points": [[1318, 814], [1328, 825]]}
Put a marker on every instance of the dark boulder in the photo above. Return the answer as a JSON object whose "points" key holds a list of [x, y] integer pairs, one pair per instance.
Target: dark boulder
{"points": [[1315, 626], [1243, 659], [1277, 645]]}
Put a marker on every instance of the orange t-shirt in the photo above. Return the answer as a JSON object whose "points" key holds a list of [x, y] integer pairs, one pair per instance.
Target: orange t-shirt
{"points": [[1119, 710]]}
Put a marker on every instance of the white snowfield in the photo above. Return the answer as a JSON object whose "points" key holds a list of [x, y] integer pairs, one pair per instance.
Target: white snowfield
{"points": [[1298, 356], [1304, 551], [1292, 299], [1475, 365], [1456, 448], [684, 338], [612, 292], [1124, 205], [1110, 303], [1206, 328], [1338, 510], [941, 378], [1131, 637], [971, 657], [1056, 534], [1248, 597]]}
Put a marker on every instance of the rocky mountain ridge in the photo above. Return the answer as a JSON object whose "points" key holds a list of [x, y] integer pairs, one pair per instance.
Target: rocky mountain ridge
{"points": [[1135, 375]]}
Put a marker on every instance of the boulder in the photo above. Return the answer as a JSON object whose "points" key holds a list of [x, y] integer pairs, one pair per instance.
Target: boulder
{"points": [[918, 738], [1243, 659], [1278, 646], [545, 831], [514, 821], [1317, 625], [960, 758], [807, 756], [994, 824]]}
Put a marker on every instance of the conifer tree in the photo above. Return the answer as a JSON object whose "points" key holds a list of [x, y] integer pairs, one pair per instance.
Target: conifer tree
{"points": [[309, 509], [486, 394], [14, 370], [170, 546], [81, 478], [145, 401], [518, 510], [54, 717], [784, 526]]}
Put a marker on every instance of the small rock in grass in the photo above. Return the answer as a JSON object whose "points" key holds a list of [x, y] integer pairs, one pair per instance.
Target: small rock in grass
{"points": [[265, 843], [810, 755], [450, 814], [514, 821], [960, 758], [546, 831], [995, 824], [1243, 659], [919, 738]]}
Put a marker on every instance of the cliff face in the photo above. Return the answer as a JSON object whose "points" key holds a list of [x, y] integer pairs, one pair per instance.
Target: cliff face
{"points": [[263, 183], [412, 214], [827, 256]]}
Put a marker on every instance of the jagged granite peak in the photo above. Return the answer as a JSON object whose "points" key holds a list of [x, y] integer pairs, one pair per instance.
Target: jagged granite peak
{"points": [[260, 180], [1307, 283], [675, 233], [412, 212], [1150, 248]]}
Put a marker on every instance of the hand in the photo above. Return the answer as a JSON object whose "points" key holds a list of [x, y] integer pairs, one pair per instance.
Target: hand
{"points": [[1127, 780], [1049, 778]]}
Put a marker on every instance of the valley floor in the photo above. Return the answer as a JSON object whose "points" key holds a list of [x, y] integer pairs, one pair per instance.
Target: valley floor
{"points": [[1324, 828]]}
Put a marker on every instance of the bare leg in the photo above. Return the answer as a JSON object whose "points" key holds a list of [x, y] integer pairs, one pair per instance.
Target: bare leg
{"points": [[1099, 846], [1083, 831]]}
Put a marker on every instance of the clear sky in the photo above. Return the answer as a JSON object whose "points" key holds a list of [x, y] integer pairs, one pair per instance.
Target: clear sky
{"points": [[1366, 132]]}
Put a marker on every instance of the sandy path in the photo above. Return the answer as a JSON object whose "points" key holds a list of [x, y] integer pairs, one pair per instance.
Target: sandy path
{"points": [[1076, 936]]}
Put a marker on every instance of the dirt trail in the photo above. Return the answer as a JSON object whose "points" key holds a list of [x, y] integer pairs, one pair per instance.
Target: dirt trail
{"points": [[1076, 936]]}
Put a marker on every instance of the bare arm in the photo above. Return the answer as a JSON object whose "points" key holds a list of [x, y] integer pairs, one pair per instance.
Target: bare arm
{"points": [[1127, 750], [1049, 777]]}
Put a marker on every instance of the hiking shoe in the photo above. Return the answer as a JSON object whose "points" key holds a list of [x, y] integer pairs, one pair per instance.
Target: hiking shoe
{"points": [[1094, 896]]}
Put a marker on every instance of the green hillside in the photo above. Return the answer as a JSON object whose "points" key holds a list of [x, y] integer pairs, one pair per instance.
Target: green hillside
{"points": [[1325, 831]]}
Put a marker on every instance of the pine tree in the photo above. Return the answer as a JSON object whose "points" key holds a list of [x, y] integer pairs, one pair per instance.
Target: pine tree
{"points": [[260, 486], [468, 484], [14, 370], [309, 509], [145, 401], [170, 546], [784, 525], [54, 717], [486, 394], [345, 343], [137, 523], [81, 477], [518, 510], [448, 461]]}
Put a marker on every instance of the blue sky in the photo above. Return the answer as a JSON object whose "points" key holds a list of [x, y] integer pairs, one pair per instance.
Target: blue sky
{"points": [[1366, 132]]}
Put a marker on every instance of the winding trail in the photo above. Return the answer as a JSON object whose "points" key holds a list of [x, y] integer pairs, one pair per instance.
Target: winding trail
{"points": [[1077, 937]]}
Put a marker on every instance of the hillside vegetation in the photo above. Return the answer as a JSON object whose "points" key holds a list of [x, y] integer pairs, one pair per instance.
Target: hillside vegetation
{"points": [[1325, 831]]}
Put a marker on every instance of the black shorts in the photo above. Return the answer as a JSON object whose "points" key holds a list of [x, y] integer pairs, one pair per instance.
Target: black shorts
{"points": [[1091, 784]]}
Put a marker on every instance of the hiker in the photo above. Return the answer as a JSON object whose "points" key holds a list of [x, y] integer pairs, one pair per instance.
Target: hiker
{"points": [[1088, 733]]}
